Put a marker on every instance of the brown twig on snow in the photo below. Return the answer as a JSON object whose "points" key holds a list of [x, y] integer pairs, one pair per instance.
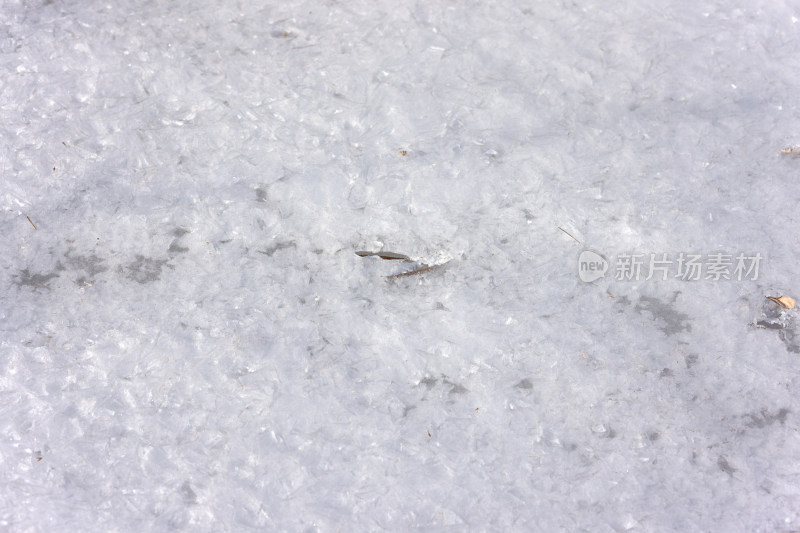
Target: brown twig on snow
{"points": [[565, 231], [421, 270]]}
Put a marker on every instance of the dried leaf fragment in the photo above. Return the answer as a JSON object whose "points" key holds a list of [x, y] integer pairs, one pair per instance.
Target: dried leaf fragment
{"points": [[784, 301], [422, 269], [389, 256]]}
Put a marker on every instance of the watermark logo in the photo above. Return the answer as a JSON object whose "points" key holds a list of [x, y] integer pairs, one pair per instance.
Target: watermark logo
{"points": [[591, 266], [661, 267]]}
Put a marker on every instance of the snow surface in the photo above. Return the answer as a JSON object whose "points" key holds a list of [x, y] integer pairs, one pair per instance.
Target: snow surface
{"points": [[189, 341]]}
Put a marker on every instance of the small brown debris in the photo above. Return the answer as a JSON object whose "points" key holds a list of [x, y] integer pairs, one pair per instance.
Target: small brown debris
{"points": [[403, 153], [31, 221], [421, 270], [784, 301], [568, 233], [389, 256]]}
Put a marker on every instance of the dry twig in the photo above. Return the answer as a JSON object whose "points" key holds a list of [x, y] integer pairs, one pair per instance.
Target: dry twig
{"points": [[421, 270]]}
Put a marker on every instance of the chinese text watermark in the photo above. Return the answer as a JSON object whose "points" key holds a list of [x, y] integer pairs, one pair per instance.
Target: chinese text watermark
{"points": [[662, 266]]}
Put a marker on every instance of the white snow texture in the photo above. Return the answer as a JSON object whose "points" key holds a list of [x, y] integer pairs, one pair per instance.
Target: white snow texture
{"points": [[188, 340]]}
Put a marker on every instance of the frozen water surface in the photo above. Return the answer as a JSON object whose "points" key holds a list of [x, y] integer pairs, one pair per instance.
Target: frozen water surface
{"points": [[188, 340]]}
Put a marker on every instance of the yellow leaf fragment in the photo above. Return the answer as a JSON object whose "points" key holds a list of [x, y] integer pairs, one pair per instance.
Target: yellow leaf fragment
{"points": [[784, 301]]}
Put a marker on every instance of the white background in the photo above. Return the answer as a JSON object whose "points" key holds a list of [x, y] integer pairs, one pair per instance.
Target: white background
{"points": [[188, 340]]}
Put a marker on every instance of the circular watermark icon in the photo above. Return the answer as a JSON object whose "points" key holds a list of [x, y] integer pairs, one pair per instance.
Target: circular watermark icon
{"points": [[591, 266]]}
